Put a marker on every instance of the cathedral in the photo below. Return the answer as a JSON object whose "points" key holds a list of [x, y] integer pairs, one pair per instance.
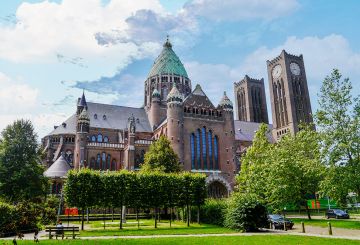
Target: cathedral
{"points": [[207, 137]]}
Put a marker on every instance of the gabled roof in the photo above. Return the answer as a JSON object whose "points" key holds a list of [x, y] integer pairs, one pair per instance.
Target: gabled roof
{"points": [[199, 98], [58, 169], [109, 117], [245, 131], [168, 63]]}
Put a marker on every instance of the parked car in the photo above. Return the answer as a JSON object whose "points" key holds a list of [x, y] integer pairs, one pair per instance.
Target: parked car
{"points": [[337, 214], [277, 221]]}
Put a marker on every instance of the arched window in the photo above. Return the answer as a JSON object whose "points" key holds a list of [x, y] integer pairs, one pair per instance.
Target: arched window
{"points": [[98, 160], [113, 165], [216, 152], [106, 139], [93, 138], [103, 161], [164, 92], [53, 191], [204, 155], [210, 149], [69, 156], [99, 138], [192, 150], [108, 162], [198, 151], [58, 188], [92, 163]]}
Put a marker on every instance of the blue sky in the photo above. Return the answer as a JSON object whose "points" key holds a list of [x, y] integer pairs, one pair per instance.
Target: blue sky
{"points": [[51, 50]]}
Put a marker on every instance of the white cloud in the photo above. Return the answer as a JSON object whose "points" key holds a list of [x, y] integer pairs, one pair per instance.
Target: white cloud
{"points": [[15, 95], [47, 28], [235, 10]]}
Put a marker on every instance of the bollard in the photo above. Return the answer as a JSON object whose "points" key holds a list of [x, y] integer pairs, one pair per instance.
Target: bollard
{"points": [[330, 229], [302, 227]]}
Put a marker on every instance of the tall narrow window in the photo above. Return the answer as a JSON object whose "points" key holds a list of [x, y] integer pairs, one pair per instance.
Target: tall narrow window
{"points": [[106, 139], [192, 149], [103, 161], [198, 151], [108, 162], [210, 150], [113, 165], [98, 160], [204, 155], [92, 163], [216, 152], [99, 138]]}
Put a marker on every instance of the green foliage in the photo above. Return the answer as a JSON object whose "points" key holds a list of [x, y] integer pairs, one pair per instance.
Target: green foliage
{"points": [[161, 157], [21, 175], [245, 213], [88, 188], [338, 120], [211, 212], [282, 173], [49, 210], [7, 218]]}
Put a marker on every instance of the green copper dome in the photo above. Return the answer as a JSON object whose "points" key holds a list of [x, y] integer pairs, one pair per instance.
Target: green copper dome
{"points": [[168, 63]]}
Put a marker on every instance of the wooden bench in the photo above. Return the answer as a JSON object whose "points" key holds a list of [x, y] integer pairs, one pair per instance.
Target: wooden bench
{"points": [[62, 232]]}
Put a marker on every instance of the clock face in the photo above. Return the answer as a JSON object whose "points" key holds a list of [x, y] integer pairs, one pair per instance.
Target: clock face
{"points": [[276, 72], [295, 68]]}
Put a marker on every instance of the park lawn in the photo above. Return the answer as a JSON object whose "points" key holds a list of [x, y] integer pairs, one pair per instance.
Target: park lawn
{"points": [[249, 240], [347, 224], [147, 228]]}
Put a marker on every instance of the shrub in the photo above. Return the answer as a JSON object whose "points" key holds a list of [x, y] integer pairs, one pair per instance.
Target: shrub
{"points": [[245, 213], [7, 218], [211, 212]]}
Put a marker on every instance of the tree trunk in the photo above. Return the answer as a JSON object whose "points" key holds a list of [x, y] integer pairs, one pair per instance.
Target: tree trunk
{"points": [[170, 216], [308, 211], [198, 215], [137, 217], [112, 214], [121, 210], [82, 218], [155, 217], [104, 213], [188, 214]]}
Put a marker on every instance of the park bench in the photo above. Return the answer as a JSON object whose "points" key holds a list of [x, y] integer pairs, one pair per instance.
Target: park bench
{"points": [[62, 232]]}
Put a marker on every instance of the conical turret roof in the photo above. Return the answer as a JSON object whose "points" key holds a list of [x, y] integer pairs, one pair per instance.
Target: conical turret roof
{"points": [[155, 93], [225, 102], [175, 94], [82, 101], [84, 116], [168, 63], [58, 169]]}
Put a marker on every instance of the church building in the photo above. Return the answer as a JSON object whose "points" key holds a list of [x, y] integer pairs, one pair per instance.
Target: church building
{"points": [[203, 134]]}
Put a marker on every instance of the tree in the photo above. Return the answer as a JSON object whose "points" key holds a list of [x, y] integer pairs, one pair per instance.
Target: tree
{"points": [[284, 173], [21, 175], [296, 170], [161, 157], [83, 189], [254, 164], [338, 120]]}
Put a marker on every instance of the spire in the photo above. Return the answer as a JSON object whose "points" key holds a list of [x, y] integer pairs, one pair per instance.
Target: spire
{"points": [[225, 102], [155, 93], [167, 44], [82, 101]]}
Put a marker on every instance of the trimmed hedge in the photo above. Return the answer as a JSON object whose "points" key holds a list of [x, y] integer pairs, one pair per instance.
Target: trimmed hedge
{"points": [[211, 212]]}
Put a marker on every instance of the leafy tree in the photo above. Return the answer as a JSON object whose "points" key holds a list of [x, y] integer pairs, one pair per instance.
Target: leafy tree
{"points": [[284, 173], [255, 164], [21, 175], [83, 189], [161, 157], [296, 170], [338, 120]]}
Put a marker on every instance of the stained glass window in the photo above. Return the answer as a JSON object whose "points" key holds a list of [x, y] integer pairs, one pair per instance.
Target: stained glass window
{"points": [[216, 153], [198, 147], [98, 160], [210, 149], [192, 149], [204, 155]]}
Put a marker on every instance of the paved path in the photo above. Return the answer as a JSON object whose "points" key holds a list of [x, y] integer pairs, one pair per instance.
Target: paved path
{"points": [[294, 232]]}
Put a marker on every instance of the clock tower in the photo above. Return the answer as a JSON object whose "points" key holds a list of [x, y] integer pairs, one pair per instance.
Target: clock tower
{"points": [[289, 94]]}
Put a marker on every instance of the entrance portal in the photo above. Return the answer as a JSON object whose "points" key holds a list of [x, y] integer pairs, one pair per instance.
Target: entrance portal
{"points": [[217, 189]]}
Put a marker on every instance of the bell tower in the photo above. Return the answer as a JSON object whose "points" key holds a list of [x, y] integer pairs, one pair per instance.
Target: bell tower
{"points": [[289, 94]]}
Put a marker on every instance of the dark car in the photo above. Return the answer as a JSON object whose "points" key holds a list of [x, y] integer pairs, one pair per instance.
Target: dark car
{"points": [[337, 214], [277, 222]]}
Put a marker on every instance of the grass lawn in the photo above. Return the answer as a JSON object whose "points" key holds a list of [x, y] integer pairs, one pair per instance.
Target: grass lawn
{"points": [[249, 240], [147, 228], [347, 224]]}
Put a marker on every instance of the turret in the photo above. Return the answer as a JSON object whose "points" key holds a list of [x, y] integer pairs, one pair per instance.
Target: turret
{"points": [[81, 104], [154, 112], [175, 122], [82, 130]]}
